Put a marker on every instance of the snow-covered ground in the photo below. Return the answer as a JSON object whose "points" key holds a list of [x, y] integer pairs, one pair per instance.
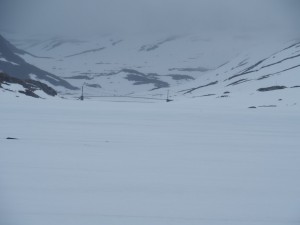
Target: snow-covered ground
{"points": [[141, 163]]}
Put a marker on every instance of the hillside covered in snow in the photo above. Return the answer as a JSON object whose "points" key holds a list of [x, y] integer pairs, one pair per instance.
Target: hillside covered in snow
{"points": [[150, 66]]}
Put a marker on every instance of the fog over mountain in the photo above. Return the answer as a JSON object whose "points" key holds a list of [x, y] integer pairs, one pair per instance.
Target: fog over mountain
{"points": [[133, 16]]}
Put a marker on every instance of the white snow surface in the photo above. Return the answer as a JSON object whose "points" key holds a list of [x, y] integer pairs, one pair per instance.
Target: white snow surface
{"points": [[121, 163]]}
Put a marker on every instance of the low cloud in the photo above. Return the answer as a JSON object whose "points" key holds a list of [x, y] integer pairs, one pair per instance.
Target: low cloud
{"points": [[104, 16]]}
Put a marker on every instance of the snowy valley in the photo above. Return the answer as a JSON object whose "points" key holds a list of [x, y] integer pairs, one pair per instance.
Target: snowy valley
{"points": [[224, 151], [185, 66]]}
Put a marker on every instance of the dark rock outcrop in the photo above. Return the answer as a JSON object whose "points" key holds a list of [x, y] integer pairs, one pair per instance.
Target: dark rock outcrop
{"points": [[29, 85], [273, 88]]}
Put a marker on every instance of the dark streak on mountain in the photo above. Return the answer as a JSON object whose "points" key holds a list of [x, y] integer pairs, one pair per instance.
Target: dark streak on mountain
{"points": [[180, 77], [254, 66], [79, 77], [292, 57], [238, 82], [197, 69], [152, 47], [272, 74], [240, 74], [56, 42], [86, 52], [273, 88], [187, 91], [247, 70]]}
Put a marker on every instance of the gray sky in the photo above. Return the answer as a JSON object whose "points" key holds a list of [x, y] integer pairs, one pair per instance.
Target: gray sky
{"points": [[143, 15]]}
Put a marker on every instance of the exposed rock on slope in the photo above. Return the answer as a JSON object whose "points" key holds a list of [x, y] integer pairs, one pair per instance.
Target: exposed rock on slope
{"points": [[11, 63], [27, 87]]}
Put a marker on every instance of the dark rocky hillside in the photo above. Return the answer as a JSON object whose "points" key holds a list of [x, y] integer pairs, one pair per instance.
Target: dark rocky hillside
{"points": [[28, 86]]}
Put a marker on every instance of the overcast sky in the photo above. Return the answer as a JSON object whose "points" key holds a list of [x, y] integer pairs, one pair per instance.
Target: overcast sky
{"points": [[144, 15]]}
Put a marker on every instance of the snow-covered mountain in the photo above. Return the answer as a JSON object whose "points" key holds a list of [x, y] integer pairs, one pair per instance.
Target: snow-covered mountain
{"points": [[127, 65], [12, 63], [264, 76], [259, 72]]}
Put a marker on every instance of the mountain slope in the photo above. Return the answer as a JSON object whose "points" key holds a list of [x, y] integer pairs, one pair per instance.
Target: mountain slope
{"points": [[27, 87], [263, 76], [12, 63], [188, 66], [129, 64]]}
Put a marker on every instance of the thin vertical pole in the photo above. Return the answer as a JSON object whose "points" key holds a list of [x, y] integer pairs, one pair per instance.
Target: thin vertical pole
{"points": [[168, 100], [82, 97]]}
